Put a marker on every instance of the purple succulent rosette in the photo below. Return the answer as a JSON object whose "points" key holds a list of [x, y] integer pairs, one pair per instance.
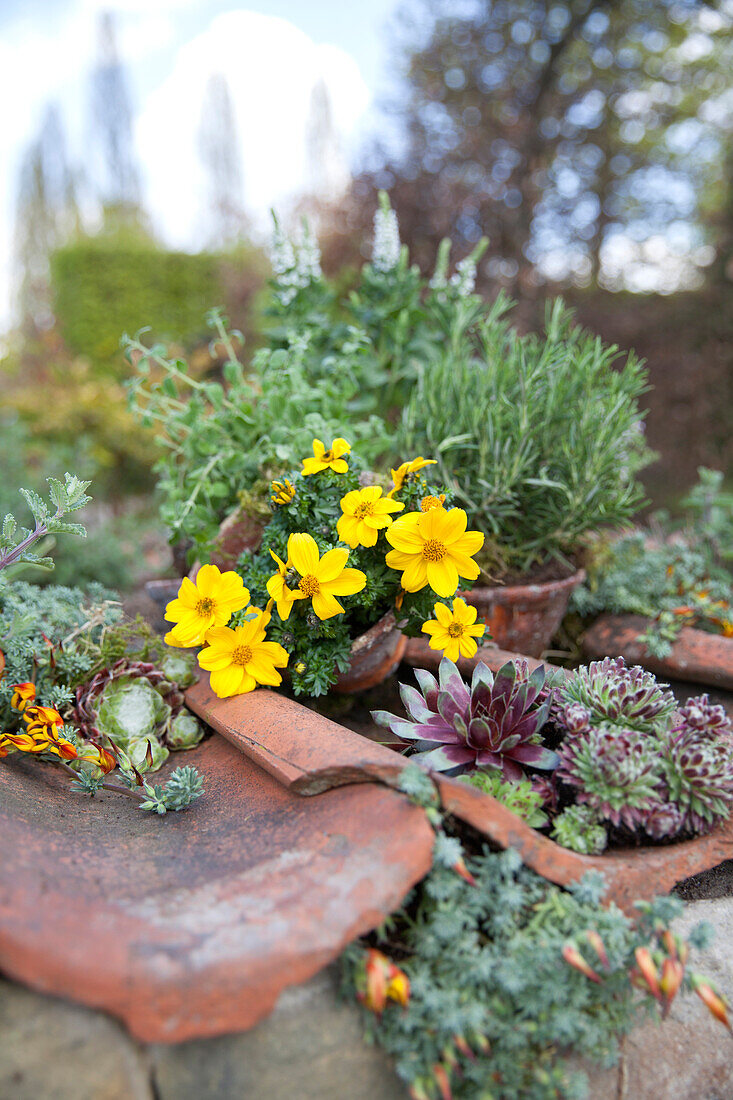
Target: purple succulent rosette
{"points": [[493, 723]]}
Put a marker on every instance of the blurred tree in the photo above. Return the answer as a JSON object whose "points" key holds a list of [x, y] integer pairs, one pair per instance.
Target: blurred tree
{"points": [[222, 160], [116, 172], [583, 137], [46, 213], [324, 157]]}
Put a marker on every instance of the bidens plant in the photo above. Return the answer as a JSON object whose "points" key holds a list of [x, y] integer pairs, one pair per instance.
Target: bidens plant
{"points": [[340, 552]]}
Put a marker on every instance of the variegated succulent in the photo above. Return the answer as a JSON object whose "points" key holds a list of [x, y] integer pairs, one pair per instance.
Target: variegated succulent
{"points": [[698, 771], [493, 723], [614, 771], [612, 692]]}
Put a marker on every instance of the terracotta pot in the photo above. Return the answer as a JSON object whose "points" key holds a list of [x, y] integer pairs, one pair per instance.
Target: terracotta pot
{"points": [[374, 656], [696, 655], [524, 617], [308, 754]]}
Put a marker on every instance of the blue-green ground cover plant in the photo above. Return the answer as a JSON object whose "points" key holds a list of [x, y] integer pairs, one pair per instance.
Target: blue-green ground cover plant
{"points": [[489, 977], [674, 572]]}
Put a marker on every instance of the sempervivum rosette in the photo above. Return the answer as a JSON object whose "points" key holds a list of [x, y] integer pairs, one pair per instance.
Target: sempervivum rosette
{"points": [[493, 723], [702, 719], [610, 691], [615, 772], [699, 775]]}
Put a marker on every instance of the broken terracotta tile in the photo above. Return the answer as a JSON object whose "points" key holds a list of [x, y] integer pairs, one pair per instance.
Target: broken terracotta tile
{"points": [[631, 874], [303, 750], [192, 924], [696, 655], [419, 655]]}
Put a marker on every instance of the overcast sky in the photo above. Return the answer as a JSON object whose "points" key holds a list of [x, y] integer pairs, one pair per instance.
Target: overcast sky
{"points": [[272, 53]]}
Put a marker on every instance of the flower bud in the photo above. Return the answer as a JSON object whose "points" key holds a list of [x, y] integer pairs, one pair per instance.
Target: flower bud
{"points": [[572, 956]]}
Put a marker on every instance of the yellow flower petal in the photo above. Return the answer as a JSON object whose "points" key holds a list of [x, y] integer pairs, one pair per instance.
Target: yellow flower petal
{"points": [[303, 552]]}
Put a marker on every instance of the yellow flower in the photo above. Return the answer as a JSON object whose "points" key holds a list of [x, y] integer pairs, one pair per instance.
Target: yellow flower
{"points": [[331, 459], [277, 588], [364, 514], [432, 502], [322, 579], [434, 548], [210, 602], [240, 659], [23, 694], [399, 475], [455, 631], [41, 735], [282, 491]]}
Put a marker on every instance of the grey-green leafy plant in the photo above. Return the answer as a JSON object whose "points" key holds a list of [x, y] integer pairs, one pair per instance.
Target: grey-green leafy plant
{"points": [[494, 1010], [65, 497], [674, 573], [335, 363], [540, 437]]}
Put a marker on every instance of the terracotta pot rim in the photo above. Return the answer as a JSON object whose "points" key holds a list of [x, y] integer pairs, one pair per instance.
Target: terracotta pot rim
{"points": [[519, 590]]}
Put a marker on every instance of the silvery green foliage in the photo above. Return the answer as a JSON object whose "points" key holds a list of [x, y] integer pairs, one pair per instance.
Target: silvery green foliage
{"points": [[65, 497], [535, 491], [386, 248], [578, 828], [491, 999], [183, 787], [30, 617]]}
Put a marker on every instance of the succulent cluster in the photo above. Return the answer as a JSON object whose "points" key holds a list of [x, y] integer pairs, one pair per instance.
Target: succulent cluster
{"points": [[620, 758], [495, 722], [139, 709], [611, 691], [635, 761]]}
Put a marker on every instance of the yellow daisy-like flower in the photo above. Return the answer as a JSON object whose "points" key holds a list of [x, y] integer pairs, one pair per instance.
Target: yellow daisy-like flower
{"points": [[402, 471], [331, 459], [240, 659], [432, 502], [210, 602], [455, 631], [434, 548], [277, 588], [282, 491], [322, 579], [365, 513]]}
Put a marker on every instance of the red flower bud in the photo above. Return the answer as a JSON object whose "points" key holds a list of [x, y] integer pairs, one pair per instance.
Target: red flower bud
{"points": [[712, 1000], [648, 970], [571, 955], [598, 946]]}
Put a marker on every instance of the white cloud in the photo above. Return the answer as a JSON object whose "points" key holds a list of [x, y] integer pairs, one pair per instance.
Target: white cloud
{"points": [[271, 67]]}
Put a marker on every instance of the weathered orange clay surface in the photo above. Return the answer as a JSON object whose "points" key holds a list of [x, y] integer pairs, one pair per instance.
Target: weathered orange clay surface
{"points": [[696, 655], [631, 875], [524, 617], [192, 924], [300, 748]]}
